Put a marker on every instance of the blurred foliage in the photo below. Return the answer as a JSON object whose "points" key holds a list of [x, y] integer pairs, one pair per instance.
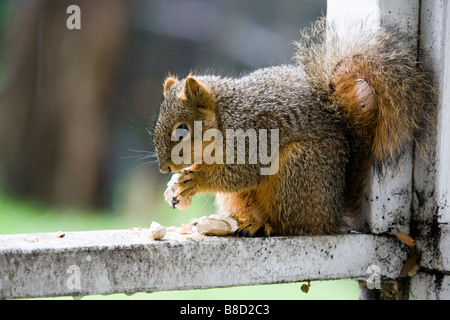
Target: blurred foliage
{"points": [[5, 9]]}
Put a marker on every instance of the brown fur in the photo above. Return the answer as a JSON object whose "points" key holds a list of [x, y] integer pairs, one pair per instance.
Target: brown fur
{"points": [[252, 208], [346, 106], [374, 82], [397, 94]]}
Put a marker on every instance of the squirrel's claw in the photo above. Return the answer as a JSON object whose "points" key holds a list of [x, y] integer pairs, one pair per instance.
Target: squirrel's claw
{"points": [[242, 233], [180, 190], [174, 202], [254, 230]]}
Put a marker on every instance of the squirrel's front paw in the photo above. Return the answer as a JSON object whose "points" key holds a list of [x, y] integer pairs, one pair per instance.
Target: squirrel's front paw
{"points": [[180, 190]]}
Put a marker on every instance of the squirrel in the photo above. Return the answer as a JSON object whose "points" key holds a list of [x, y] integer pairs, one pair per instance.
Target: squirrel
{"points": [[340, 110]]}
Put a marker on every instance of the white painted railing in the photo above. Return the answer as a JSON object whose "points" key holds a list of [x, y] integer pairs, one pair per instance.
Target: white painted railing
{"points": [[101, 262], [431, 205]]}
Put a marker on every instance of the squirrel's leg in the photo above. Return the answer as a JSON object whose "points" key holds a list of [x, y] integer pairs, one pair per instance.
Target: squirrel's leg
{"points": [[309, 188]]}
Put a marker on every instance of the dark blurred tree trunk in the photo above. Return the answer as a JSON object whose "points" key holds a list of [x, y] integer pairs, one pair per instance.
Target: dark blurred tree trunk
{"points": [[54, 105]]}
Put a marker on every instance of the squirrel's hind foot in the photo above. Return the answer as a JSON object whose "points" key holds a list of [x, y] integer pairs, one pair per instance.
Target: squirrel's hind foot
{"points": [[254, 230]]}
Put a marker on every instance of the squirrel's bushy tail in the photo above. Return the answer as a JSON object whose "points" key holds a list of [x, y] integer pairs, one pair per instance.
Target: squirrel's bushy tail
{"points": [[371, 78]]}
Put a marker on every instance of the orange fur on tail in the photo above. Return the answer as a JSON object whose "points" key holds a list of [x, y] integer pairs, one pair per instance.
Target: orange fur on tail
{"points": [[373, 79]]}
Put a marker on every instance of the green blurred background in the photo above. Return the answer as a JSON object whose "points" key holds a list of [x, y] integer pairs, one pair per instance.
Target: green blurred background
{"points": [[76, 106]]}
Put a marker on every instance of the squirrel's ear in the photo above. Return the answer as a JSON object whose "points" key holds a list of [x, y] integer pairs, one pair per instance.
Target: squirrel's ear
{"points": [[194, 89], [170, 81]]}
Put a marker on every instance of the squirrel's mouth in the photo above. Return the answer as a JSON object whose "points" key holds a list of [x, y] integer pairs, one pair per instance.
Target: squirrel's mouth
{"points": [[190, 167], [180, 168], [165, 169]]}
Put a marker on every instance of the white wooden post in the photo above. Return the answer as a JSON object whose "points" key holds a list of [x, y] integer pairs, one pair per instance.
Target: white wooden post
{"points": [[431, 204], [422, 185], [388, 202]]}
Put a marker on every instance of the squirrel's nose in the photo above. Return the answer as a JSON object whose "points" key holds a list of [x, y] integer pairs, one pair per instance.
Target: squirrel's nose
{"points": [[164, 169]]}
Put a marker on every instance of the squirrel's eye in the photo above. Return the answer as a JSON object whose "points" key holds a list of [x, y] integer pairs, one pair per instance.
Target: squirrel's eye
{"points": [[182, 132]]}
